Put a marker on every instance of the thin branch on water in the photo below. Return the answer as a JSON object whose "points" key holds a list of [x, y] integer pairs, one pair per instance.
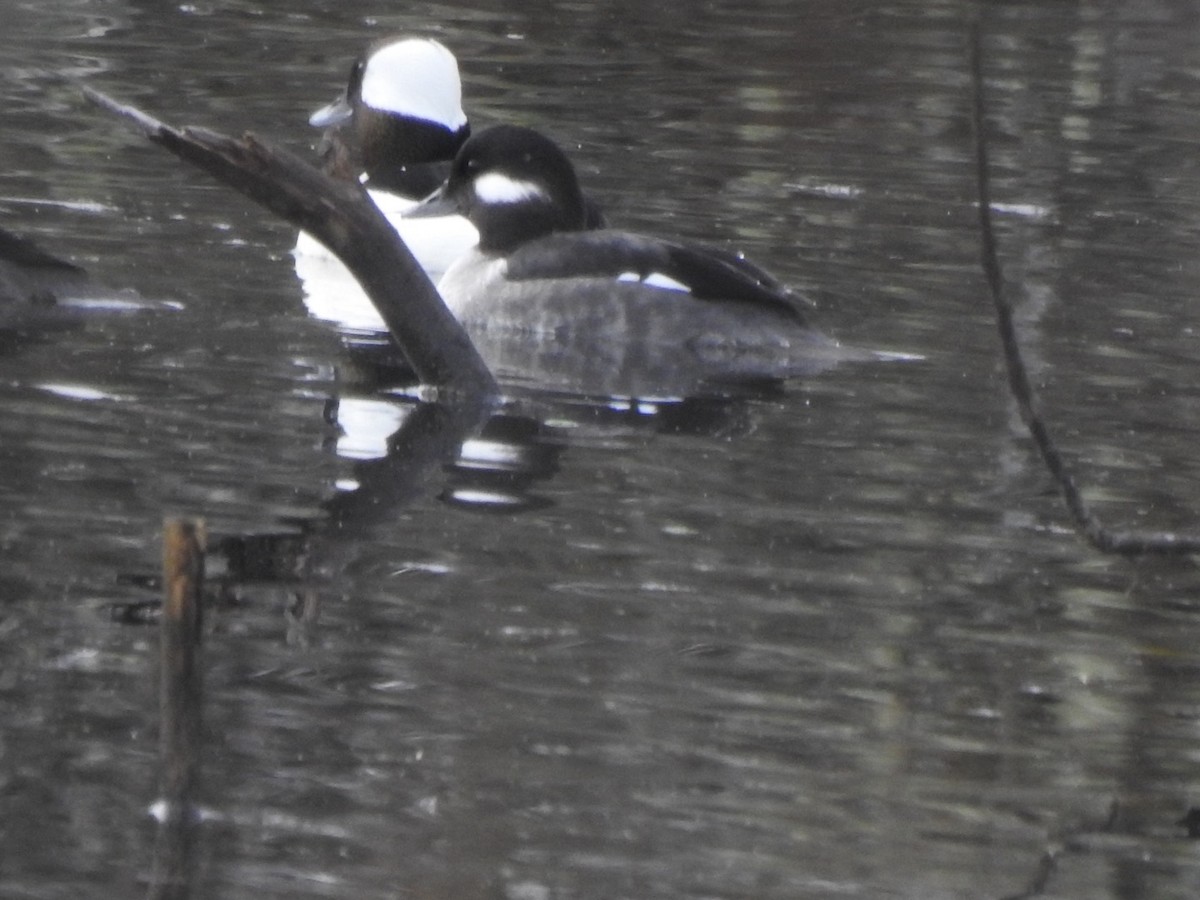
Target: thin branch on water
{"points": [[1066, 841], [1129, 543], [1041, 877]]}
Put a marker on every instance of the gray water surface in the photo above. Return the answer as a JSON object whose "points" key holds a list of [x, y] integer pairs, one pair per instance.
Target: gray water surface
{"points": [[837, 640]]}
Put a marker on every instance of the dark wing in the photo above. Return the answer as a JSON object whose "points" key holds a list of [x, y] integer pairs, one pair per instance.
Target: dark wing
{"points": [[24, 252], [708, 273], [724, 275], [31, 282]]}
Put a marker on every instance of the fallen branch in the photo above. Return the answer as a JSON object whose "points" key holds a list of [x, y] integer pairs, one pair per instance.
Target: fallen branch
{"points": [[1129, 543], [343, 218]]}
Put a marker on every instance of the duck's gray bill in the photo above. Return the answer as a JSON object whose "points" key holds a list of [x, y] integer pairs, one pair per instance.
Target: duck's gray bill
{"points": [[335, 113], [436, 204]]}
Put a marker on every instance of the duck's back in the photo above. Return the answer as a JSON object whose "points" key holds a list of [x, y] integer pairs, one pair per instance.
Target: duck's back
{"points": [[629, 326]]}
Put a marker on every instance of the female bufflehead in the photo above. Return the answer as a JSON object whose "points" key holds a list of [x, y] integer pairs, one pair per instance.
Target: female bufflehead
{"points": [[399, 122], [31, 276], [537, 272], [40, 291]]}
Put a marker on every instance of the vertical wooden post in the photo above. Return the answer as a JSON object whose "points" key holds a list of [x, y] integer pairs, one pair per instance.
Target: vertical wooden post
{"points": [[180, 687], [180, 699]]}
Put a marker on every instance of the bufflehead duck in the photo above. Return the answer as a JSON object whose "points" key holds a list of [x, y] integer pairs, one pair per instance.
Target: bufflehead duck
{"points": [[399, 122], [403, 109], [538, 273], [40, 291], [31, 276]]}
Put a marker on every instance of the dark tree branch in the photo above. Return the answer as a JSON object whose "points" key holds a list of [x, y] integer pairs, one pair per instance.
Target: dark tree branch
{"points": [[1128, 543], [344, 219]]}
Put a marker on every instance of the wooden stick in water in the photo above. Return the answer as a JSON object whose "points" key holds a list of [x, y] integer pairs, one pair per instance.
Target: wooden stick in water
{"points": [[181, 685], [180, 702]]}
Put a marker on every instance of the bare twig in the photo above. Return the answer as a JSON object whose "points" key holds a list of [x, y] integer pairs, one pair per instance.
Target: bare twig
{"points": [[1127, 543], [1041, 877], [1066, 841]]}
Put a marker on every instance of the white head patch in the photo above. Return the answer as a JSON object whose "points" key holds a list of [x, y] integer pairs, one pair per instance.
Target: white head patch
{"points": [[418, 78], [493, 187]]}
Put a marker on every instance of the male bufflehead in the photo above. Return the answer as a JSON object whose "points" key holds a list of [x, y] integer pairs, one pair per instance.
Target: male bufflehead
{"points": [[537, 271], [399, 122], [402, 107]]}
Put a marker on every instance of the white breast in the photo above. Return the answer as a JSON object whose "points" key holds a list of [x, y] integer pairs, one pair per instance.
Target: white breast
{"points": [[330, 291]]}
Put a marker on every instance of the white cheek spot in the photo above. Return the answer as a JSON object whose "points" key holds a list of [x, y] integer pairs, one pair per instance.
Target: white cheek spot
{"points": [[417, 78], [656, 279], [496, 188]]}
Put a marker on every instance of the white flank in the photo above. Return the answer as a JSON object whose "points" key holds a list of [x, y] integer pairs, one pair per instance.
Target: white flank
{"points": [[656, 279], [418, 78], [496, 188]]}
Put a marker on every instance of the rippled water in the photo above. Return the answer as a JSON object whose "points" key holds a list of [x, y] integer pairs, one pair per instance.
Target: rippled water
{"points": [[836, 640]]}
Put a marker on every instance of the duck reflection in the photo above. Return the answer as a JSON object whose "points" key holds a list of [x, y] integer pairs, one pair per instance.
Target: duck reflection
{"points": [[396, 441], [478, 456], [468, 456]]}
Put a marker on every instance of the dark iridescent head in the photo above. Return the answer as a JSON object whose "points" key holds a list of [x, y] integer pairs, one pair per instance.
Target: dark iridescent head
{"points": [[514, 185], [402, 106]]}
